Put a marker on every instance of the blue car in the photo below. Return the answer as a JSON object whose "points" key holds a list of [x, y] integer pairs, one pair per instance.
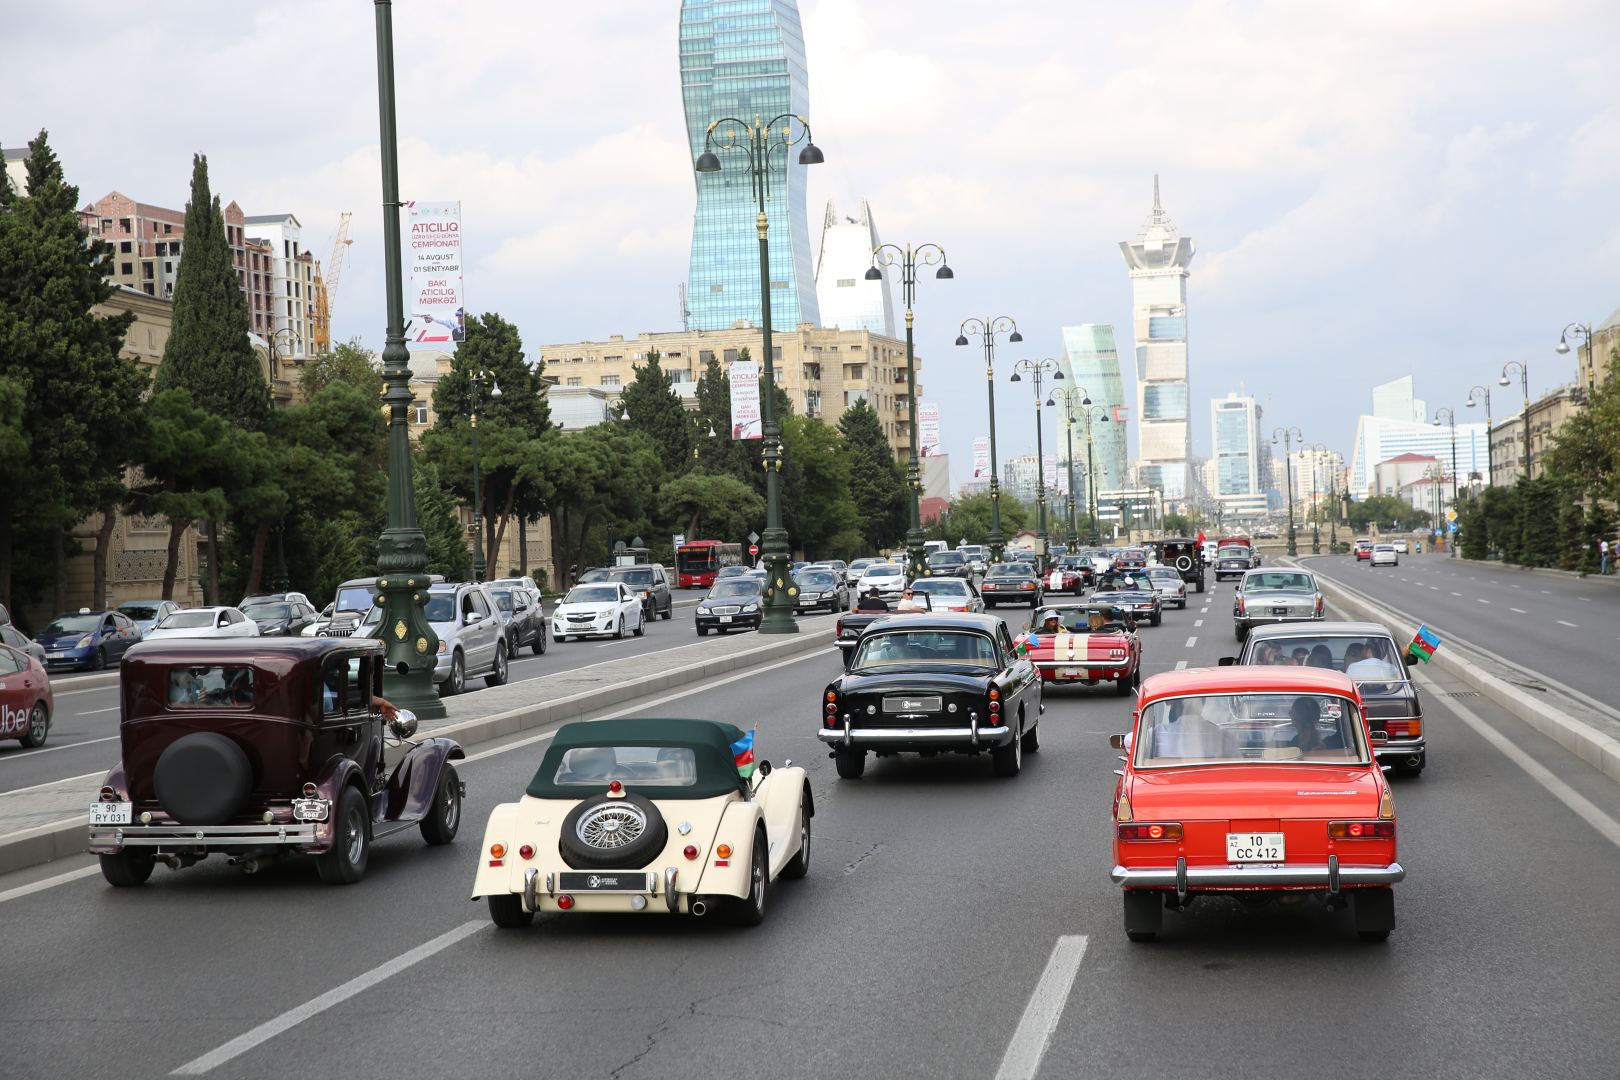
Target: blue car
{"points": [[87, 639]]}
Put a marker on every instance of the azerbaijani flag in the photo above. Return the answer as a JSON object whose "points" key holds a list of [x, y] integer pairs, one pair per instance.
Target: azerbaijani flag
{"points": [[1026, 643], [1423, 644], [743, 752]]}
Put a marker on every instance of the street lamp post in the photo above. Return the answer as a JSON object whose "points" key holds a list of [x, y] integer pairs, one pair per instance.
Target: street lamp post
{"points": [[908, 258], [1318, 451], [1100, 415], [759, 139], [1070, 396], [1584, 331], [1475, 393], [1524, 387], [986, 330], [1451, 419], [475, 386], [280, 581], [1039, 370], [1289, 436], [402, 580]]}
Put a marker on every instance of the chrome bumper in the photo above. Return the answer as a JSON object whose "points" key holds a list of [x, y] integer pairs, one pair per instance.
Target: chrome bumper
{"points": [[211, 836], [1400, 748], [973, 734], [1183, 877]]}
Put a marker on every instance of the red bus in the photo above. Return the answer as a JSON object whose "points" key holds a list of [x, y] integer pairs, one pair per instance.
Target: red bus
{"points": [[697, 560]]}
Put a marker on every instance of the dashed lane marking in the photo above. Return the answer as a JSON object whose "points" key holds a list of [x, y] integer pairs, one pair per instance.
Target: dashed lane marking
{"points": [[1028, 1044], [49, 883], [51, 749], [1180, 664], [1198, 623], [1192, 641], [1572, 626], [1518, 611], [1481, 600], [98, 712]]}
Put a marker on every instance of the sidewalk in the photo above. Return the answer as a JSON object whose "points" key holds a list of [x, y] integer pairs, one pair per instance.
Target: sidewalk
{"points": [[47, 822]]}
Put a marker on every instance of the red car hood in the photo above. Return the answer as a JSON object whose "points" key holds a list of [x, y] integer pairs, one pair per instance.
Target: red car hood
{"points": [[1270, 790]]}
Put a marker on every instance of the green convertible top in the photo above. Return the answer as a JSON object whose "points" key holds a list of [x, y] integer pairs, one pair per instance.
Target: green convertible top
{"points": [[709, 741]]}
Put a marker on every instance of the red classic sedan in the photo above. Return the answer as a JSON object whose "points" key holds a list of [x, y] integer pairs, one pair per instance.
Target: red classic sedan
{"points": [[26, 704], [1253, 781], [1085, 645]]}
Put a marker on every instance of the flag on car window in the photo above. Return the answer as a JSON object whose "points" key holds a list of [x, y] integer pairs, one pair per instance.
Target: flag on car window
{"points": [[743, 752], [1423, 644]]}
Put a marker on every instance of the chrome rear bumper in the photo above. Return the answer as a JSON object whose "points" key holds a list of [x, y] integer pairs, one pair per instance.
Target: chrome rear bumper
{"points": [[209, 836], [1183, 877], [853, 736]]}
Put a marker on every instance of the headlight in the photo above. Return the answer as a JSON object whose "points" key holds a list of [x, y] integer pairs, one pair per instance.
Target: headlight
{"points": [[704, 611], [750, 607], [444, 646], [82, 643]]}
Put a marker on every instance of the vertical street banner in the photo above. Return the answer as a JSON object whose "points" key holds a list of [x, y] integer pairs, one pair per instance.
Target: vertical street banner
{"points": [[981, 458], [1049, 471], [745, 419], [927, 429], [434, 304]]}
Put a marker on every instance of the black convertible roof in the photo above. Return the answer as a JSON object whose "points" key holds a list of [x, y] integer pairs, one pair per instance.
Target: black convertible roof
{"points": [[709, 740]]}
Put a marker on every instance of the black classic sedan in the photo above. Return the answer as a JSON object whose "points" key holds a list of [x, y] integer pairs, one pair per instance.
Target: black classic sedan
{"points": [[934, 684], [1131, 592], [732, 604], [1011, 583]]}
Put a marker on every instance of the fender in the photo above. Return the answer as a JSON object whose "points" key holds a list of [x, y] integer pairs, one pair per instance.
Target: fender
{"points": [[415, 779], [117, 781], [737, 825], [780, 794], [507, 826], [339, 771]]}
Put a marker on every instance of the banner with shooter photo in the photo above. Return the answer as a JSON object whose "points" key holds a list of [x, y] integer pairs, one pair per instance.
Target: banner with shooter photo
{"points": [[434, 304], [745, 418]]}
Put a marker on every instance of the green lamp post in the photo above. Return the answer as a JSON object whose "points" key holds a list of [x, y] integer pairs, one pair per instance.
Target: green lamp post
{"points": [[986, 330]]}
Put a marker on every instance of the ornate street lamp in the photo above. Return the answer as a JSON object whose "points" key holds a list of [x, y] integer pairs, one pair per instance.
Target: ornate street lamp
{"points": [[987, 329], [1451, 419], [402, 579], [1318, 451], [908, 258], [1289, 436], [1583, 331], [1071, 398], [759, 140], [1039, 370], [1524, 387], [1475, 394], [476, 382]]}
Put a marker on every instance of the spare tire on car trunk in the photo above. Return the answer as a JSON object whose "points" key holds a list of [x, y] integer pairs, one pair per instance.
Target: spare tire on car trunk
{"points": [[203, 779], [620, 832]]}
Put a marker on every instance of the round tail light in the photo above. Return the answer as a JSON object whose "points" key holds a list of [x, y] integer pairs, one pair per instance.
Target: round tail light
{"points": [[723, 851], [526, 851], [565, 902], [615, 787], [310, 791], [497, 851], [690, 851]]}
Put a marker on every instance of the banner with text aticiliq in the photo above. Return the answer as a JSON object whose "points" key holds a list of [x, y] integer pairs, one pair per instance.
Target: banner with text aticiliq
{"points": [[981, 458], [745, 416], [434, 304]]}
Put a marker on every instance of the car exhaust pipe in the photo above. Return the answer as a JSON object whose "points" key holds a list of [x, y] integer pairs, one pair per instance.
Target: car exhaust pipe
{"points": [[171, 861], [700, 908], [247, 866]]}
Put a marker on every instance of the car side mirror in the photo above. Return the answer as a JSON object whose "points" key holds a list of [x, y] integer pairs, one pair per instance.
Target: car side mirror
{"points": [[764, 768], [471, 617], [1227, 661], [403, 725], [1118, 741]]}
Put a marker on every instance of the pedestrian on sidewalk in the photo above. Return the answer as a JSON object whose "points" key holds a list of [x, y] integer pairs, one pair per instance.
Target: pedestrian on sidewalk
{"points": [[1603, 556]]}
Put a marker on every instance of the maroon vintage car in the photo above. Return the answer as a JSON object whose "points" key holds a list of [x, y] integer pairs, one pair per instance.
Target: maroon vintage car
{"points": [[256, 748]]}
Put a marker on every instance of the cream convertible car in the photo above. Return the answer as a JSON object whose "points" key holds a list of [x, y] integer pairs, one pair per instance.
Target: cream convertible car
{"points": [[646, 816]]}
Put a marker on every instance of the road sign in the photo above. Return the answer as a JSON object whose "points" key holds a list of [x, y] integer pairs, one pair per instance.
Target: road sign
{"points": [[753, 538], [753, 549], [1451, 515]]}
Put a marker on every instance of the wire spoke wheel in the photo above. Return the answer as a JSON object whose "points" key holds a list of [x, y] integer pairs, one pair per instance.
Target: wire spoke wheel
{"points": [[611, 825]]}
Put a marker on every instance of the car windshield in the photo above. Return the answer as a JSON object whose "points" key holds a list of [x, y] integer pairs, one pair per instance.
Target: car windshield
{"points": [[591, 594], [941, 587], [645, 766], [725, 589], [268, 611], [1232, 553], [73, 624], [1008, 569], [1372, 658], [817, 580], [1279, 581], [503, 598], [946, 558], [139, 612], [1321, 728], [1383, 547], [882, 570], [186, 620], [933, 648], [634, 577], [1070, 620], [356, 598]]}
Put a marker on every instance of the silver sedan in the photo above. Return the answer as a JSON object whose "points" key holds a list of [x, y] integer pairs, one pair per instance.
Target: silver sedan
{"points": [[1168, 584]]}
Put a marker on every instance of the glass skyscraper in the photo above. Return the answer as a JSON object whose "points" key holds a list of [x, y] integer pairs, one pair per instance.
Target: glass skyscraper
{"points": [[745, 58], [1090, 360]]}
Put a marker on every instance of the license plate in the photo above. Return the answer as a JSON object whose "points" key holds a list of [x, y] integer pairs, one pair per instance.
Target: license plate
{"points": [[111, 813], [309, 809], [725, 618], [605, 882], [1266, 847], [1279, 611]]}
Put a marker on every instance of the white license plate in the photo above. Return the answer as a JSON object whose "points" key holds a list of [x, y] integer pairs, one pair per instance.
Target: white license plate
{"points": [[111, 813], [1265, 847], [309, 809], [1279, 611], [725, 618]]}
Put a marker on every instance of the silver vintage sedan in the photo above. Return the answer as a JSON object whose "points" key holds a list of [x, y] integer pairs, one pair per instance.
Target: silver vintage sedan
{"points": [[1168, 583], [1275, 595]]}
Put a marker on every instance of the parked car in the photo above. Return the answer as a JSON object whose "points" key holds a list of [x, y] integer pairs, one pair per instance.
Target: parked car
{"points": [[87, 639], [1186, 556], [1094, 644], [523, 616], [1384, 555], [26, 702], [146, 614], [10, 635], [1011, 583], [205, 622], [934, 683], [264, 747], [598, 609], [820, 590], [948, 564], [1169, 584], [472, 638], [731, 604], [1257, 782], [1276, 595], [634, 816], [1132, 593], [949, 594], [317, 626], [650, 583], [281, 618]]}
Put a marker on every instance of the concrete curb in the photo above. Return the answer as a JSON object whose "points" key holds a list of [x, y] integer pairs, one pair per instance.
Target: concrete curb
{"points": [[45, 843], [1586, 742]]}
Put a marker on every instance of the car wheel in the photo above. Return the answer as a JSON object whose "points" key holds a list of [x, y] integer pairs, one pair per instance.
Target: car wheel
{"points": [[1200, 585], [99, 661], [346, 863], [444, 816], [621, 832], [1238, 633], [1158, 617], [851, 762], [124, 869], [1032, 739], [506, 911], [641, 627], [498, 674], [457, 682], [669, 612], [1374, 911], [703, 631], [1009, 760], [39, 726], [563, 638], [1122, 686], [750, 910], [799, 865], [1144, 914], [618, 629], [538, 648]]}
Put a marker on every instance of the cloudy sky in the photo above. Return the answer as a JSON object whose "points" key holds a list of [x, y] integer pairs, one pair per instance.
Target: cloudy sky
{"points": [[1376, 187]]}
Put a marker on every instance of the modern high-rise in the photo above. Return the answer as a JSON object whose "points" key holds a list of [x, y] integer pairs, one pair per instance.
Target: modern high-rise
{"points": [[1091, 361], [745, 59], [847, 299], [1234, 424], [1158, 260], [1379, 440], [1394, 401]]}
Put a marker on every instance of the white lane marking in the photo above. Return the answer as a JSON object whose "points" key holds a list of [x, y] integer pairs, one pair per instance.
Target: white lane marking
{"points": [[50, 749], [1028, 1044], [89, 690], [1513, 586], [1191, 641], [336, 996], [1572, 626], [1180, 664], [1584, 807], [1481, 599], [1197, 623], [1544, 592], [53, 783], [1456, 594], [48, 883], [98, 712], [1435, 588], [1584, 599], [1518, 611]]}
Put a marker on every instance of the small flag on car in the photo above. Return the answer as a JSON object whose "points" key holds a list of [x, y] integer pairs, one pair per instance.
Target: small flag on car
{"points": [[743, 752], [1423, 644], [1026, 643]]}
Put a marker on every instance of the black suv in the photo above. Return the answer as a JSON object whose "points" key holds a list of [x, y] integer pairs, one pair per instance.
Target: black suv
{"points": [[1186, 557]]}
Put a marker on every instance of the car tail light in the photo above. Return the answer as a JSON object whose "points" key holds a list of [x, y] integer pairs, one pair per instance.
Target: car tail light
{"points": [[497, 854], [1361, 830], [723, 851], [690, 851], [310, 791], [995, 694], [988, 586], [615, 787], [995, 709], [840, 629], [1403, 729], [565, 902], [1027, 585], [526, 851], [1240, 605], [1155, 830], [1386, 804], [1319, 603], [109, 795]]}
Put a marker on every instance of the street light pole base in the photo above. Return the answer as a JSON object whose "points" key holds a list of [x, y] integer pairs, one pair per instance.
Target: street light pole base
{"points": [[781, 594], [415, 690], [915, 554]]}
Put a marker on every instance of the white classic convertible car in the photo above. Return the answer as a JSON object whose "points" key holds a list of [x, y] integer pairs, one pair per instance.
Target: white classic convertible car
{"points": [[650, 816]]}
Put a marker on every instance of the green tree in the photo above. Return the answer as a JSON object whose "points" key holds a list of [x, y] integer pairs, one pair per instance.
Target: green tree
{"points": [[1585, 454], [350, 363], [436, 512], [876, 483], [711, 506], [822, 505], [968, 518], [1387, 512], [182, 474], [650, 404], [1540, 521], [603, 486]]}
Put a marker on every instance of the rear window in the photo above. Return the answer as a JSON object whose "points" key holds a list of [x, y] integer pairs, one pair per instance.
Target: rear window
{"points": [[644, 766], [194, 685], [908, 648], [186, 620], [1250, 727], [1278, 582], [139, 611]]}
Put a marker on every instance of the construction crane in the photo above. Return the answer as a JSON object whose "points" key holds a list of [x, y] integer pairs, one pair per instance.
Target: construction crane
{"points": [[326, 286]]}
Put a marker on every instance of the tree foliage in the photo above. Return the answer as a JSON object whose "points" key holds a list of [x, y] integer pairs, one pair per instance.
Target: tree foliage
{"points": [[711, 506], [651, 405], [969, 518], [350, 363], [876, 483]]}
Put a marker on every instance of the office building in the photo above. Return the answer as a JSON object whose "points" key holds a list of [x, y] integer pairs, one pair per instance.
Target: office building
{"points": [[1021, 480], [846, 298], [1315, 476], [1158, 259], [745, 58], [1091, 362], [16, 164], [1379, 440], [1234, 424], [1394, 401], [1505, 455], [292, 281]]}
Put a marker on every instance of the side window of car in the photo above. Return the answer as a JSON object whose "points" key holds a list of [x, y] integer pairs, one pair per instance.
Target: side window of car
{"points": [[331, 689], [480, 604], [9, 664]]}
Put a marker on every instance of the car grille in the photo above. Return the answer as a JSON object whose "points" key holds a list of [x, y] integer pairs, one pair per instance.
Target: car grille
{"points": [[729, 609], [581, 618]]}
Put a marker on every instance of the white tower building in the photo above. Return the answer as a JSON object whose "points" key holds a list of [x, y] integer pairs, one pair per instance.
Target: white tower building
{"points": [[846, 299]]}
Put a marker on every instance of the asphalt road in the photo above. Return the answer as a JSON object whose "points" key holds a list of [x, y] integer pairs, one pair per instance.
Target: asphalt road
{"points": [[949, 921], [1561, 629], [84, 731]]}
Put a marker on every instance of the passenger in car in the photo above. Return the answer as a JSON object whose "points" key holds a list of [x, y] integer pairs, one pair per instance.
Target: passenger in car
{"points": [[1321, 656], [1306, 712]]}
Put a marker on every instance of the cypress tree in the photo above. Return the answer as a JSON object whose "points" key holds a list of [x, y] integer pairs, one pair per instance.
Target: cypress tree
{"points": [[875, 479], [650, 404]]}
